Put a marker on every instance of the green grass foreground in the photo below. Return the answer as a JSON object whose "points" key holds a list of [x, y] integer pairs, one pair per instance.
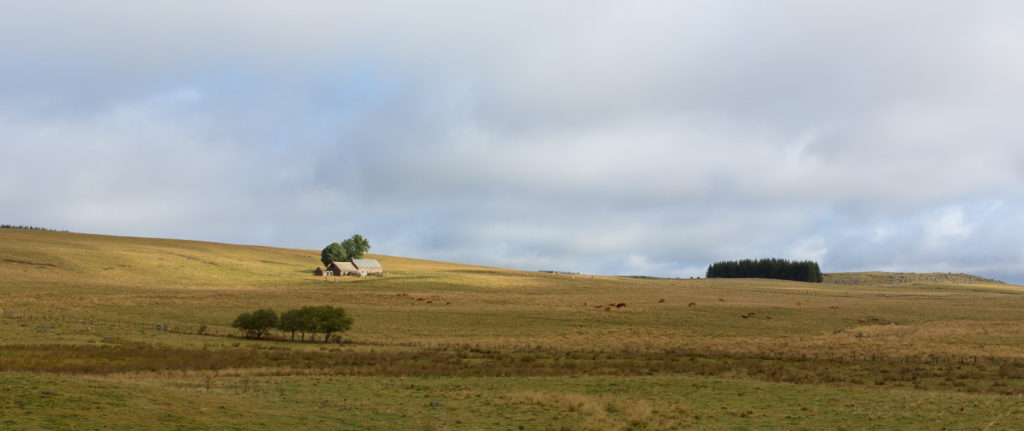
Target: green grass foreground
{"points": [[102, 332], [232, 402]]}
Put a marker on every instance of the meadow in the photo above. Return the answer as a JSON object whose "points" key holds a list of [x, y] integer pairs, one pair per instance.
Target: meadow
{"points": [[102, 332]]}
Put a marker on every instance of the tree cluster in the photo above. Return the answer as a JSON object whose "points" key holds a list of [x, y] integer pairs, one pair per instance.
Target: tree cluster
{"points": [[256, 324], [352, 248], [312, 320], [781, 269], [11, 226]]}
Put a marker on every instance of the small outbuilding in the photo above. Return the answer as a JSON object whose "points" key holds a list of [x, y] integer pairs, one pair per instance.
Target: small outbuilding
{"points": [[318, 271], [342, 268]]}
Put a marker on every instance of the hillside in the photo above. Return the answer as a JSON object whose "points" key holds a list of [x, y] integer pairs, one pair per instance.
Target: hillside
{"points": [[143, 325], [892, 278]]}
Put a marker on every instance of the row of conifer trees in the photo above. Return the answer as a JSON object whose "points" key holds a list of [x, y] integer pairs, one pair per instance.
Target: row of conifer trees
{"points": [[11, 226], [781, 269]]}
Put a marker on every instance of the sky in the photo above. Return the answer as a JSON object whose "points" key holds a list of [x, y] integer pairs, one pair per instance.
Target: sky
{"points": [[603, 137]]}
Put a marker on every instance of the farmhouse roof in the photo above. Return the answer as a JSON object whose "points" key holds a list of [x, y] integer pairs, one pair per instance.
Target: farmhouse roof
{"points": [[344, 266], [366, 263]]}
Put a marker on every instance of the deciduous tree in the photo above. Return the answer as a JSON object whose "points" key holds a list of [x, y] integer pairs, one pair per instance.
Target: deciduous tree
{"points": [[356, 246], [256, 324], [333, 253]]}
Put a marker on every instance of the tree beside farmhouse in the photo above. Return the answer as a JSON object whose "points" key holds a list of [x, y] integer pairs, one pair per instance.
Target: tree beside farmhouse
{"points": [[356, 246], [353, 248], [333, 253]]}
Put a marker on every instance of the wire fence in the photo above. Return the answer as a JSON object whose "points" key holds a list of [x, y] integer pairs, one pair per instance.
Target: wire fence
{"points": [[89, 322], [843, 357]]}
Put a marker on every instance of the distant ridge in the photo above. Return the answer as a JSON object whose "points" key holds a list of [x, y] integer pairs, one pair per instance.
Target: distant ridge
{"points": [[11, 226], [876, 277]]}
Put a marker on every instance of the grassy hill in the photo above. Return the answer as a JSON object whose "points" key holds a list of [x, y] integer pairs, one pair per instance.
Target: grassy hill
{"points": [[905, 278], [446, 346]]}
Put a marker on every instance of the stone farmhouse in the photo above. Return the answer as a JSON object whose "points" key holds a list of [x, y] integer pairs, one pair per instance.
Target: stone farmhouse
{"points": [[359, 267]]}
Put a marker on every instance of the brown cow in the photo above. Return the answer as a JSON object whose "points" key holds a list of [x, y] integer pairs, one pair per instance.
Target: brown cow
{"points": [[743, 316], [862, 321], [691, 304], [608, 308], [721, 299], [798, 303], [620, 305], [661, 300], [833, 307]]}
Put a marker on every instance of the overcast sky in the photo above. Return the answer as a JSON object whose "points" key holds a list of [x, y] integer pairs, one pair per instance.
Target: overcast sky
{"points": [[638, 137]]}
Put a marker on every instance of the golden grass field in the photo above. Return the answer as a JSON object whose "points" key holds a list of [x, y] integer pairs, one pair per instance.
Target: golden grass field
{"points": [[488, 348]]}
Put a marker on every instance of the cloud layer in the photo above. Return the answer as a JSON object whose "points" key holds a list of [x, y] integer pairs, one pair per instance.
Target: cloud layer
{"points": [[642, 138]]}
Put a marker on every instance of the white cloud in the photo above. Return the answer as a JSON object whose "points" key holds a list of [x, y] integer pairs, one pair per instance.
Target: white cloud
{"points": [[600, 136], [946, 224], [813, 248]]}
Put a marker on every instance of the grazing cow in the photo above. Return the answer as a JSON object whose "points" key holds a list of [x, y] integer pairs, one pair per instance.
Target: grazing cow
{"points": [[751, 313], [620, 305], [721, 299], [798, 303], [661, 300], [448, 303], [608, 308], [833, 307], [430, 302], [743, 316], [691, 304], [421, 299], [862, 321], [584, 303], [611, 304]]}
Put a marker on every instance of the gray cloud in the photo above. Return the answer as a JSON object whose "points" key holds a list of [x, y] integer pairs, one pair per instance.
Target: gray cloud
{"points": [[648, 137]]}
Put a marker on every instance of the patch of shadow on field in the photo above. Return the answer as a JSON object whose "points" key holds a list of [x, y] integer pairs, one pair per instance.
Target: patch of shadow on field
{"points": [[22, 262], [487, 272], [198, 259], [406, 276]]}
